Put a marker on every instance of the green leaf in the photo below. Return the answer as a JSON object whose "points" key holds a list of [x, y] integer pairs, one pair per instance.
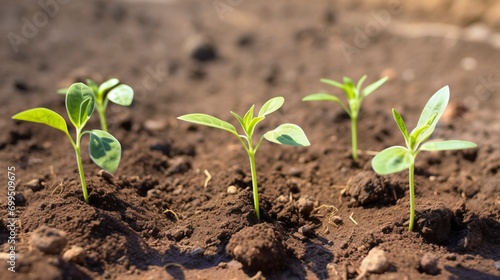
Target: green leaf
{"points": [[447, 145], [79, 104], [326, 97], [93, 86], [107, 85], [208, 120], [435, 106], [247, 118], [401, 124], [62, 91], [240, 119], [43, 116], [415, 135], [271, 105], [105, 150], [392, 160], [321, 97], [359, 85], [288, 134], [252, 124], [333, 83], [374, 86], [121, 95]]}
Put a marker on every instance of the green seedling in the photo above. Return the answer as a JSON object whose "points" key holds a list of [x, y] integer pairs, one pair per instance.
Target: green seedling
{"points": [[110, 90], [104, 149], [285, 134], [398, 158], [355, 96]]}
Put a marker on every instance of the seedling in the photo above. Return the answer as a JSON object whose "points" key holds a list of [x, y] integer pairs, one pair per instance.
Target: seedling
{"points": [[110, 90], [104, 149], [355, 96], [285, 134], [398, 158]]}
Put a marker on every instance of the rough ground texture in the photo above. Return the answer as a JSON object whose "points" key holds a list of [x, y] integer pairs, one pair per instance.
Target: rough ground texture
{"points": [[159, 217]]}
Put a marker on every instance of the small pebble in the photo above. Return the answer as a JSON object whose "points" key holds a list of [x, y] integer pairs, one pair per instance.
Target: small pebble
{"points": [[232, 190], [282, 199], [429, 264], [49, 240], [295, 171], [497, 265], [76, 255], [374, 262]]}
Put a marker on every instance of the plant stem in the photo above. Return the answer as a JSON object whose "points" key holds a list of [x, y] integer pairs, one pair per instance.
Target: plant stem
{"points": [[251, 156], [354, 138], [412, 196], [80, 167], [102, 117]]}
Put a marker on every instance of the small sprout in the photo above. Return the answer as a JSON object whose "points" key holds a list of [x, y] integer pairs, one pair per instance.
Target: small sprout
{"points": [[104, 149], [354, 95], [285, 134], [110, 90], [398, 158]]}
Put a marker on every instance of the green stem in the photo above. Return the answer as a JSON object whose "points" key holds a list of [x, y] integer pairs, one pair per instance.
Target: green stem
{"points": [[354, 138], [80, 167], [412, 196], [251, 156], [102, 117]]}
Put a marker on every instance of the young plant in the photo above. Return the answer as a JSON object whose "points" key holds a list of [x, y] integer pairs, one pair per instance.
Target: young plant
{"points": [[398, 158], [104, 149], [110, 90], [355, 96], [285, 134]]}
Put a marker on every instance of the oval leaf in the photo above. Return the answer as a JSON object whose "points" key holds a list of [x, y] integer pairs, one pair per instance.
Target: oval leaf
{"points": [[43, 116], [271, 105], [447, 145], [121, 95], [392, 160], [288, 134], [208, 120], [105, 150], [79, 104], [107, 85], [435, 106]]}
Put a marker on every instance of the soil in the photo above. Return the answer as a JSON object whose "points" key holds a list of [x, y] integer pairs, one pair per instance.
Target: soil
{"points": [[167, 212]]}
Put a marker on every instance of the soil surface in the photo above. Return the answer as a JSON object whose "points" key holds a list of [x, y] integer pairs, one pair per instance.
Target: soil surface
{"points": [[180, 205]]}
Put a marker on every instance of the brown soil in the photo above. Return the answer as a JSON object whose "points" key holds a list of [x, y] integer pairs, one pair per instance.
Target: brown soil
{"points": [[321, 212]]}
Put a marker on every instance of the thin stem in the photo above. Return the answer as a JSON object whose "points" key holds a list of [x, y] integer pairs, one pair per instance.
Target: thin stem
{"points": [[80, 167], [354, 138], [412, 196], [251, 156], [102, 117]]}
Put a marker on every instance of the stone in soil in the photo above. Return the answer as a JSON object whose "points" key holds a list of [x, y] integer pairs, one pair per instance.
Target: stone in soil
{"points": [[374, 262], [76, 254], [429, 264]]}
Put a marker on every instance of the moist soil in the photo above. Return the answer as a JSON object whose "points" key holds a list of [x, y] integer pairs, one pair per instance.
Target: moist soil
{"points": [[168, 211]]}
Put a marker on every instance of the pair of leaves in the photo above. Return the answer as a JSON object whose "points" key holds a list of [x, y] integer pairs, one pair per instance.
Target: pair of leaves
{"points": [[396, 159], [354, 93], [104, 149], [111, 89], [286, 134]]}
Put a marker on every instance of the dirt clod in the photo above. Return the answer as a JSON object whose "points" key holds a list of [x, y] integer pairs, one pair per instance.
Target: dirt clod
{"points": [[367, 188], [49, 240], [306, 205], [258, 247], [429, 264], [435, 224]]}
